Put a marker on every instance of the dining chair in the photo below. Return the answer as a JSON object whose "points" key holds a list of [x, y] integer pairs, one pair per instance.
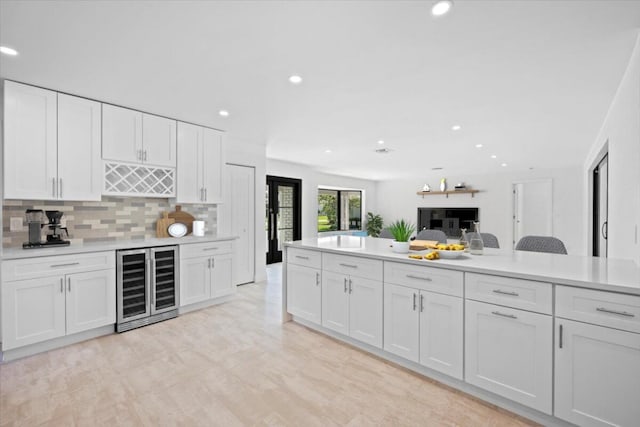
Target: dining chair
{"points": [[432, 235], [489, 240], [547, 244]]}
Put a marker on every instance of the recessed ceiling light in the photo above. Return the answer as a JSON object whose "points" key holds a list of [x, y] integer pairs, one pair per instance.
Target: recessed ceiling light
{"points": [[223, 113], [8, 51], [493, 156], [503, 165], [381, 142], [295, 79], [478, 145], [441, 8], [456, 127], [327, 151]]}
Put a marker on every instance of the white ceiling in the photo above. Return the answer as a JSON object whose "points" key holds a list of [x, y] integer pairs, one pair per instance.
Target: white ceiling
{"points": [[530, 80]]}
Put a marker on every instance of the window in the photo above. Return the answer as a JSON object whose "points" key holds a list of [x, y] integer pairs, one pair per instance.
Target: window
{"points": [[339, 210]]}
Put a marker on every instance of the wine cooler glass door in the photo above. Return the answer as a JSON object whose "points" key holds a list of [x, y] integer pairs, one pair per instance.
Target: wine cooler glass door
{"points": [[164, 279], [133, 290]]}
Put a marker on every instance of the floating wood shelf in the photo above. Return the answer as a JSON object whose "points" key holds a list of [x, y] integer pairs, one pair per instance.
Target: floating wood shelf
{"points": [[446, 193]]}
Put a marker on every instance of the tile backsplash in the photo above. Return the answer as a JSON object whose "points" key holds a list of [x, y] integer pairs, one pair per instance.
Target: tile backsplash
{"points": [[112, 218]]}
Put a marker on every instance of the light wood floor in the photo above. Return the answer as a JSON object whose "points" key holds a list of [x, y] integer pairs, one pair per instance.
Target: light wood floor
{"points": [[232, 364]]}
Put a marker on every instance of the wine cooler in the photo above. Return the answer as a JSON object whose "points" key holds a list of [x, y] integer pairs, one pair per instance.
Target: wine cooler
{"points": [[148, 286]]}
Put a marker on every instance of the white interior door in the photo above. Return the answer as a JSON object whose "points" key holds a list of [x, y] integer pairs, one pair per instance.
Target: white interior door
{"points": [[532, 209], [241, 220]]}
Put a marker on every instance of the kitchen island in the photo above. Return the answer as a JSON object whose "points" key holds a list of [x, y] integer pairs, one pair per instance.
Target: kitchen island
{"points": [[555, 338]]}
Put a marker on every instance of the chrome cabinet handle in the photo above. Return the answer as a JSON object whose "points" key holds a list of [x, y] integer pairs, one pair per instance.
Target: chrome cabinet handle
{"points": [[560, 337], [53, 187], [69, 284], [414, 302], [349, 265], [350, 287], [210, 249], [317, 279], [201, 194], [510, 316], [205, 194], [209, 263], [428, 279], [213, 263], [345, 285], [64, 265], [498, 291], [302, 257], [619, 313], [153, 282], [61, 285], [421, 303], [60, 188], [145, 155]]}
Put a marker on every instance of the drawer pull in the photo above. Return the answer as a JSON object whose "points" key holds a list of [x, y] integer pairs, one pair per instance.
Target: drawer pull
{"points": [[210, 249], [510, 316], [619, 313], [317, 279], [349, 265], [411, 276], [302, 257], [64, 265], [345, 285], [513, 294], [414, 302]]}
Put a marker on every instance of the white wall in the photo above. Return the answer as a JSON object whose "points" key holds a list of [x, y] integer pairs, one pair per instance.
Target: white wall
{"points": [[621, 130], [311, 180], [398, 199], [248, 153]]}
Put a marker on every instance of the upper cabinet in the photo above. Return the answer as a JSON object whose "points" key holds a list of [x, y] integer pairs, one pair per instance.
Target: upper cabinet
{"points": [[199, 164], [135, 137], [51, 146]]}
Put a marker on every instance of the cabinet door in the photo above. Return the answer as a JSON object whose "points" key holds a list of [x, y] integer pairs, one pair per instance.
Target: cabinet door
{"points": [[508, 352], [195, 280], [365, 310], [304, 292], [401, 321], [79, 162], [335, 302], [30, 148], [441, 326], [32, 311], [189, 188], [159, 140], [222, 275], [121, 134], [91, 300], [212, 158], [597, 375]]}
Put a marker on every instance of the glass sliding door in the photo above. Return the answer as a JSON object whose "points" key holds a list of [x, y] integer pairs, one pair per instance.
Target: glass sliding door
{"points": [[283, 214]]}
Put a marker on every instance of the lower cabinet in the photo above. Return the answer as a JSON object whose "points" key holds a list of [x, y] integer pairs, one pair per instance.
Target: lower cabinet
{"points": [[304, 292], [509, 352], [424, 327], [353, 307], [204, 278], [597, 375], [37, 310]]}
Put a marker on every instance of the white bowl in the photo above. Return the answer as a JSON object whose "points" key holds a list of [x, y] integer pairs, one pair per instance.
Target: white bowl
{"points": [[449, 254]]}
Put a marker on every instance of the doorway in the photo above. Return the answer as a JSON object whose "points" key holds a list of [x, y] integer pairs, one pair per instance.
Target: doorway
{"points": [[600, 207], [283, 214], [532, 209], [241, 220]]}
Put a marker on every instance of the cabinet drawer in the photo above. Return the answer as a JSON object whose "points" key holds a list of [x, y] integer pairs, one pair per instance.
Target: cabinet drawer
{"points": [[353, 266], [194, 250], [438, 280], [618, 311], [31, 268], [517, 293], [304, 257]]}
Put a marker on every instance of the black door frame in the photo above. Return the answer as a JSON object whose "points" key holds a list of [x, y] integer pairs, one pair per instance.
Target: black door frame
{"points": [[599, 230], [273, 254]]}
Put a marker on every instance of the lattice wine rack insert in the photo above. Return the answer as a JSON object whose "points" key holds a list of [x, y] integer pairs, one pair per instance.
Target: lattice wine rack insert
{"points": [[122, 179]]}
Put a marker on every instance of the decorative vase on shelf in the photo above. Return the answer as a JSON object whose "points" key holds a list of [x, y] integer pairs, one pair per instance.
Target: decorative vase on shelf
{"points": [[443, 184], [426, 188], [476, 245]]}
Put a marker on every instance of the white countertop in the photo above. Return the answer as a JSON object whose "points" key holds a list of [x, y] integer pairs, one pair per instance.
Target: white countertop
{"points": [[588, 272], [77, 248]]}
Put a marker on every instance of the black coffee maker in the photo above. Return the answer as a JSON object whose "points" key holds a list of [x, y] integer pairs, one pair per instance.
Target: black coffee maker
{"points": [[35, 221]]}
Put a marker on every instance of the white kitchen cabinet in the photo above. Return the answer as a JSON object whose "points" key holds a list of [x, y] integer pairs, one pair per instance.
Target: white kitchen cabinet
{"points": [[90, 300], [304, 292], [509, 352], [352, 306], [52, 145], [205, 272], [199, 164], [32, 311], [441, 332], [135, 137], [57, 296], [401, 321]]}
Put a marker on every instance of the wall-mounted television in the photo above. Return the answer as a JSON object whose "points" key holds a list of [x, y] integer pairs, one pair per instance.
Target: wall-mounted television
{"points": [[449, 220]]}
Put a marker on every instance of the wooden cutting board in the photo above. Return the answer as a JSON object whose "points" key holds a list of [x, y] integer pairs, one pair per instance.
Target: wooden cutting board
{"points": [[184, 217], [163, 224], [420, 245]]}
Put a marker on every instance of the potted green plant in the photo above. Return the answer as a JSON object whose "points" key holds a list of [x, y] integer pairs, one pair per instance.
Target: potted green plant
{"points": [[374, 224], [401, 231]]}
